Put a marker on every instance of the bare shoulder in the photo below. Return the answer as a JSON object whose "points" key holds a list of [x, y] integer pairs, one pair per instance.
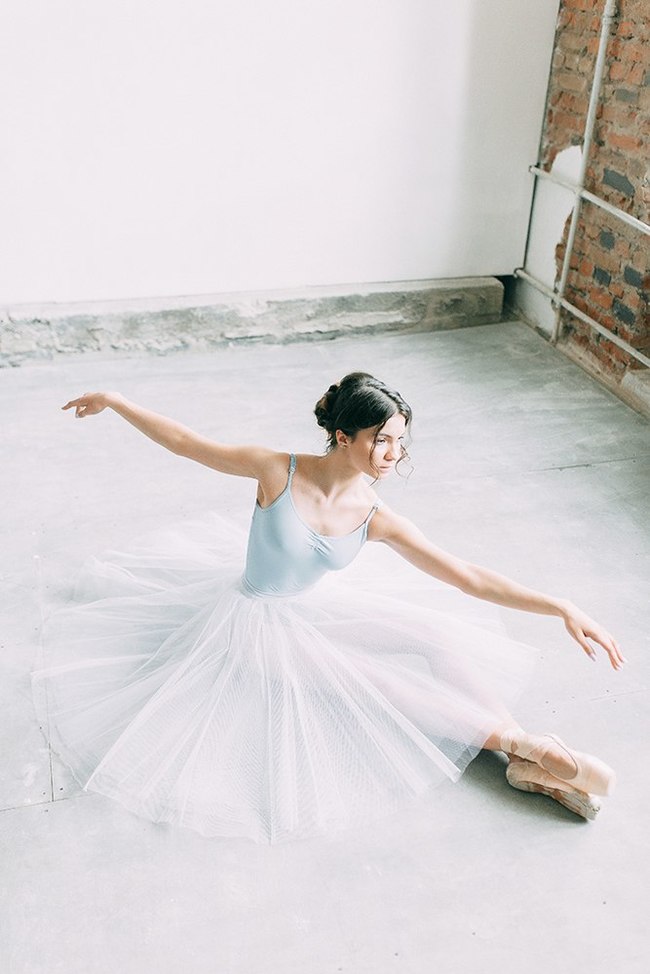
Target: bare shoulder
{"points": [[389, 526], [270, 461], [272, 474]]}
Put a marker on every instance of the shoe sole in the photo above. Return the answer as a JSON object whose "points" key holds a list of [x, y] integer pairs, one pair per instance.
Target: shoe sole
{"points": [[579, 803]]}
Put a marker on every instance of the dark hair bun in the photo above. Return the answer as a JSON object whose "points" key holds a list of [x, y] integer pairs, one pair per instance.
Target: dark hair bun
{"points": [[325, 407]]}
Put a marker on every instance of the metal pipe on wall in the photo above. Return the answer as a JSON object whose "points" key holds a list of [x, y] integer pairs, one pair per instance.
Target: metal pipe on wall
{"points": [[610, 335], [608, 16], [591, 198]]}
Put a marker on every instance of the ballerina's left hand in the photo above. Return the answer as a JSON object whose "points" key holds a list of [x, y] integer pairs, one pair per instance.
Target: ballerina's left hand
{"points": [[582, 627]]}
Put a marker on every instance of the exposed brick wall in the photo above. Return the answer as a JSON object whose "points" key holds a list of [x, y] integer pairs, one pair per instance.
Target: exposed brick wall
{"points": [[609, 275]]}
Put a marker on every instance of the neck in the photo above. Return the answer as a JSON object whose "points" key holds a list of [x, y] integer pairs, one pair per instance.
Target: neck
{"points": [[335, 474]]}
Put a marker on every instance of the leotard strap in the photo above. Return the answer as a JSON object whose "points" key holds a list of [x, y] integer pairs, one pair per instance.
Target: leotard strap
{"points": [[371, 513], [292, 467]]}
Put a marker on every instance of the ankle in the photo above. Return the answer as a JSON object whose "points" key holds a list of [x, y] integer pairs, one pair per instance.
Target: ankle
{"points": [[507, 735]]}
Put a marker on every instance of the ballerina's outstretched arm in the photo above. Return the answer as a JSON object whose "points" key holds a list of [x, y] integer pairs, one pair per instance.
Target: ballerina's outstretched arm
{"points": [[242, 461], [483, 583]]}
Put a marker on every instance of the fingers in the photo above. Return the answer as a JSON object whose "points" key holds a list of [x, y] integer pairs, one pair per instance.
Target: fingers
{"points": [[610, 646], [76, 402], [602, 637], [615, 655], [588, 648], [617, 650], [80, 405], [580, 637]]}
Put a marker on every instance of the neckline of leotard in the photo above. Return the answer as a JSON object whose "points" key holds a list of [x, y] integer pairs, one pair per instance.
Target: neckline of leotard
{"points": [[287, 492]]}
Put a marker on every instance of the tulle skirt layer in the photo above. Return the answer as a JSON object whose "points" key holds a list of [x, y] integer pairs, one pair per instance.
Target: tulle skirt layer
{"points": [[167, 686]]}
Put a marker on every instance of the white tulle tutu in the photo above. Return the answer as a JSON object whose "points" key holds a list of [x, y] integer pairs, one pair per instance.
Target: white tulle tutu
{"points": [[169, 688]]}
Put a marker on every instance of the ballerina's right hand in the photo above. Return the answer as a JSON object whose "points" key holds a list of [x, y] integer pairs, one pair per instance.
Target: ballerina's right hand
{"points": [[87, 405]]}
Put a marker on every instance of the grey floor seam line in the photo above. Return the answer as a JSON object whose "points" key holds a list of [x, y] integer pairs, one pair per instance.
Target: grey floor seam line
{"points": [[47, 801], [524, 471], [590, 463]]}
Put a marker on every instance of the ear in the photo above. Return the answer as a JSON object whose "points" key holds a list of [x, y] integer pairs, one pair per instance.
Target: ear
{"points": [[342, 439]]}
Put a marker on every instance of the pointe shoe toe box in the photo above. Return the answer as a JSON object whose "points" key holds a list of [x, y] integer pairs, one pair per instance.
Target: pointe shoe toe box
{"points": [[526, 776], [589, 774], [592, 774]]}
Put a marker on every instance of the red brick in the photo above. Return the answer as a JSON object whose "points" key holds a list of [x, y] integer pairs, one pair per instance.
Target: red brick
{"points": [[601, 298], [626, 335], [619, 71], [623, 116], [578, 300], [571, 122], [606, 321], [580, 104], [634, 300], [571, 81], [573, 104], [637, 74], [626, 28], [630, 142], [630, 74], [619, 354], [632, 53], [609, 262], [636, 167], [615, 47], [571, 62], [633, 9]]}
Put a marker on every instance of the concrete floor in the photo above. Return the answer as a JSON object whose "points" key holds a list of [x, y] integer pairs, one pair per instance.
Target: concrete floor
{"points": [[522, 463]]}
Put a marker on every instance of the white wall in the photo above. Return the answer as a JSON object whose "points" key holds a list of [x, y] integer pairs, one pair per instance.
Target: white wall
{"points": [[205, 146]]}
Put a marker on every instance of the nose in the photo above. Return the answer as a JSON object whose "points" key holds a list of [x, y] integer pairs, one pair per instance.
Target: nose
{"points": [[391, 453]]}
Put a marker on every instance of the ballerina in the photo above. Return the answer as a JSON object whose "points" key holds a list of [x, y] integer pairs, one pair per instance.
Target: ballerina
{"points": [[267, 705]]}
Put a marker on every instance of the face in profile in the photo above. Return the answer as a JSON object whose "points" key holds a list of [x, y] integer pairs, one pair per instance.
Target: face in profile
{"points": [[375, 452]]}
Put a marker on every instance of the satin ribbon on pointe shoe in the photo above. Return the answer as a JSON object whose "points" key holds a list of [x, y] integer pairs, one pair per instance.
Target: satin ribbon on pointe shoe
{"points": [[591, 775], [526, 776]]}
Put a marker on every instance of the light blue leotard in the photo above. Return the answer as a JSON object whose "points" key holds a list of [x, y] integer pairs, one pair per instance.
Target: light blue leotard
{"points": [[285, 556]]}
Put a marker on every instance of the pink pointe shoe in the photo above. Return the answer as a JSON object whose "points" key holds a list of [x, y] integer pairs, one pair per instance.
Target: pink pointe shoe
{"points": [[527, 776], [590, 775]]}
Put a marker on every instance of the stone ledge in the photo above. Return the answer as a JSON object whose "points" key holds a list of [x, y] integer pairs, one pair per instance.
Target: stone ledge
{"points": [[29, 333], [633, 389]]}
